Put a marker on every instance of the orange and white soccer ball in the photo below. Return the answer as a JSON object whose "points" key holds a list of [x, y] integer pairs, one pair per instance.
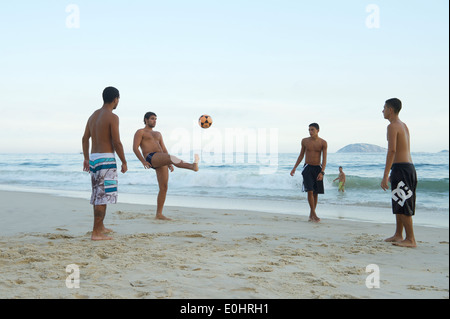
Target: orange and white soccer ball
{"points": [[205, 121]]}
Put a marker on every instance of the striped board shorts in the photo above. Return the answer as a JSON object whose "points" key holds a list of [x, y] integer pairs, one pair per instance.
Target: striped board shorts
{"points": [[103, 170]]}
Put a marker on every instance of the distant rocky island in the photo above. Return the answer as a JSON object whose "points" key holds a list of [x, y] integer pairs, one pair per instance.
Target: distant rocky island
{"points": [[362, 148]]}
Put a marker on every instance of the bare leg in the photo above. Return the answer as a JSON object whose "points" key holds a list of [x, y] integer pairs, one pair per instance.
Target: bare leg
{"points": [[162, 174], [312, 201], [410, 240], [99, 229], [164, 159], [398, 236]]}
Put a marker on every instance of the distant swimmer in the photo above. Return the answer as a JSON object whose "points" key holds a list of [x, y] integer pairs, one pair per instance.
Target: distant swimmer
{"points": [[155, 155], [103, 128], [313, 149], [403, 175], [341, 178]]}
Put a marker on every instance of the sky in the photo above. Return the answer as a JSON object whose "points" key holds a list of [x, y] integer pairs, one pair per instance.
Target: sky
{"points": [[258, 68]]}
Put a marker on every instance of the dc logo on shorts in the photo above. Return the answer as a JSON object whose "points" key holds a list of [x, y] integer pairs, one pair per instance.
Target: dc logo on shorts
{"points": [[401, 193]]}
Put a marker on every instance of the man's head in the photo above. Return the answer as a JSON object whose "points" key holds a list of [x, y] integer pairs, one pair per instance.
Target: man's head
{"points": [[150, 119], [392, 105], [111, 96], [313, 129]]}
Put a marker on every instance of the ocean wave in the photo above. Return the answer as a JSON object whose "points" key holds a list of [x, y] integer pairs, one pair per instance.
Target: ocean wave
{"points": [[423, 184], [237, 180]]}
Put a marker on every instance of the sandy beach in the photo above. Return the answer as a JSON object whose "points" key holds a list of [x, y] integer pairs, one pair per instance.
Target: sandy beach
{"points": [[208, 253]]}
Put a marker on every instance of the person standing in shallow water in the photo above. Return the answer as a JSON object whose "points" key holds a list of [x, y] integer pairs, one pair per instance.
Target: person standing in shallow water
{"points": [[341, 178], [402, 176], [313, 149], [155, 155]]}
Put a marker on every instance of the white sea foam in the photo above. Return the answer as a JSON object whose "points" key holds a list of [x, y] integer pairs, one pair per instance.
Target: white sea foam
{"points": [[241, 182]]}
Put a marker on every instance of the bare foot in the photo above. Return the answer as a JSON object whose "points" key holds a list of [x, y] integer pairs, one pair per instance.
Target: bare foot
{"points": [[196, 160], [100, 237], [314, 219], [406, 243], [393, 239], [107, 231], [162, 217]]}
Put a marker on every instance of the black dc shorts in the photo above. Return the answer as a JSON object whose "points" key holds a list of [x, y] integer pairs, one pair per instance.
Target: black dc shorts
{"points": [[403, 188], [310, 182]]}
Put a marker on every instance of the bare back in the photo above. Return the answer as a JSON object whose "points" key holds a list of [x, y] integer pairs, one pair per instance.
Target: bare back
{"points": [[398, 138], [99, 125]]}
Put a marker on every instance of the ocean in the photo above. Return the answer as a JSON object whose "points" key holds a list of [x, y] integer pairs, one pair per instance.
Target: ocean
{"points": [[244, 181]]}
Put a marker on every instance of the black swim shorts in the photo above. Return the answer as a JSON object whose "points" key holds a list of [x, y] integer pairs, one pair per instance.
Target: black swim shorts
{"points": [[310, 182], [403, 184]]}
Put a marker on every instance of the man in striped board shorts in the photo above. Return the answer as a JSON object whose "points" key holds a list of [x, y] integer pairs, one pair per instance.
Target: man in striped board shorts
{"points": [[103, 128]]}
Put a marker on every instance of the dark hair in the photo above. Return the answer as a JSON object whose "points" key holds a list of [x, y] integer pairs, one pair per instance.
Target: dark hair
{"points": [[395, 104], [314, 125], [147, 115], [109, 94]]}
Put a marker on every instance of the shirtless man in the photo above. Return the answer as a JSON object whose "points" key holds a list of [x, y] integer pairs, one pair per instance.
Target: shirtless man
{"points": [[313, 148], [341, 178], [155, 155], [403, 176], [103, 128]]}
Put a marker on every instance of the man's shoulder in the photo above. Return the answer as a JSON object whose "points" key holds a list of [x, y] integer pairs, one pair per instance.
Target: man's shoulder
{"points": [[95, 113], [396, 124], [114, 116], [105, 115], [313, 140]]}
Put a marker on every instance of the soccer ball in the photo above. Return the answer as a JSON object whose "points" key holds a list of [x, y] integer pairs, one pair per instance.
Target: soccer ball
{"points": [[205, 121]]}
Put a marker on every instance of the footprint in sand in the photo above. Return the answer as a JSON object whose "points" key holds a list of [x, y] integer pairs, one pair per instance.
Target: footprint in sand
{"points": [[260, 269], [137, 283]]}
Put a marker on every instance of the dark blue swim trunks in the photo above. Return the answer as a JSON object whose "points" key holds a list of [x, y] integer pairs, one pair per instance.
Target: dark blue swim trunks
{"points": [[149, 158]]}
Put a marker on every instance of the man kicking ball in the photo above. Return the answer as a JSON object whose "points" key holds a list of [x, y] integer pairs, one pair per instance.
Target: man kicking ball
{"points": [[155, 155]]}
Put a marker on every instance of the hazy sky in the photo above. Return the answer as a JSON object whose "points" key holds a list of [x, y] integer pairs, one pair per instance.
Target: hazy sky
{"points": [[249, 64]]}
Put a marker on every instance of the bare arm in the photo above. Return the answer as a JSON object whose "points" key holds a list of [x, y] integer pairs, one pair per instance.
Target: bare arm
{"points": [[136, 143], [85, 144], [392, 149], [324, 160], [117, 144], [299, 159]]}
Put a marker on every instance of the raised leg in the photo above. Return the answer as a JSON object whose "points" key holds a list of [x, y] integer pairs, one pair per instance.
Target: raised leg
{"points": [[164, 159]]}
